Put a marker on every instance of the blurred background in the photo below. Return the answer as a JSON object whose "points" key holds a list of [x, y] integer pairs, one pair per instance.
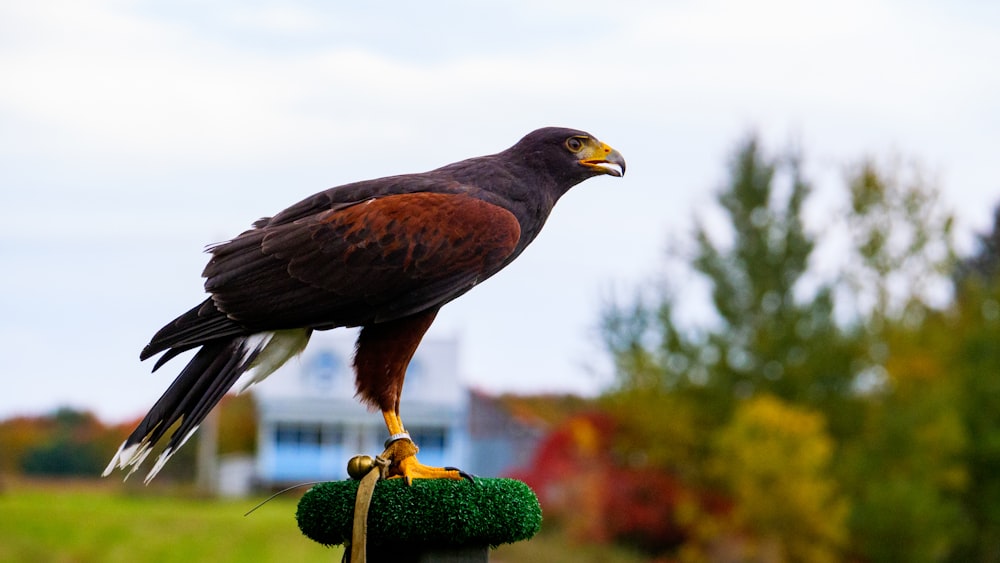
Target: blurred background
{"points": [[774, 340]]}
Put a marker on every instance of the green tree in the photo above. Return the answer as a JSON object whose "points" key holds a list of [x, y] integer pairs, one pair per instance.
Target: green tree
{"points": [[902, 247], [973, 327], [69, 448], [901, 254], [771, 333], [904, 469], [906, 472]]}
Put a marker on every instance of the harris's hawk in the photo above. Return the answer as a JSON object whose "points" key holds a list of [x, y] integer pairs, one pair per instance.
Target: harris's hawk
{"points": [[383, 255]]}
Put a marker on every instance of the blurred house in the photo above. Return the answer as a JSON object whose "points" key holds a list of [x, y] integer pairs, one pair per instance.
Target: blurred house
{"points": [[310, 424], [501, 437]]}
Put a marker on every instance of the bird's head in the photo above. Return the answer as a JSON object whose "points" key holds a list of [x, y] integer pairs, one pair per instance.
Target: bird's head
{"points": [[569, 154]]}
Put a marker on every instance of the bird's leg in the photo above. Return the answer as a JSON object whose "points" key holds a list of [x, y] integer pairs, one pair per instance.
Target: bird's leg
{"points": [[393, 423], [401, 452], [383, 353]]}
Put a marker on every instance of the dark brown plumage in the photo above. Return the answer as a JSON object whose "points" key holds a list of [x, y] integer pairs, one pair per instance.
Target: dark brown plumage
{"points": [[382, 254]]}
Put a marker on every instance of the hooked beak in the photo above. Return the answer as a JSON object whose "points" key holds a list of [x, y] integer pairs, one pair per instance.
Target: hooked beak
{"points": [[603, 159]]}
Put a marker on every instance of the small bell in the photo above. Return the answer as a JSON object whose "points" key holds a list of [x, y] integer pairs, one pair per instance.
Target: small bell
{"points": [[359, 466]]}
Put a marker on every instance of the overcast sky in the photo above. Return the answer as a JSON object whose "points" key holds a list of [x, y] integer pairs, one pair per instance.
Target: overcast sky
{"points": [[134, 133]]}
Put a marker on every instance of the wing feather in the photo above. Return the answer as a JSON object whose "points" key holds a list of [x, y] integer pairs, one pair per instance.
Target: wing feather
{"points": [[379, 259]]}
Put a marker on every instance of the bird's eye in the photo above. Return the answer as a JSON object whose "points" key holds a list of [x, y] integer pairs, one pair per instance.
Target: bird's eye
{"points": [[574, 144]]}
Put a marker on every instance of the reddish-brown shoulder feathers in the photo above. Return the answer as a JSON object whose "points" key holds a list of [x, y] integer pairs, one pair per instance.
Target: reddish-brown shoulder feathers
{"points": [[377, 260]]}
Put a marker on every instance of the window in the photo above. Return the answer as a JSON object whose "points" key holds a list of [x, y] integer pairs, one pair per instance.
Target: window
{"points": [[295, 434], [298, 434], [429, 437]]}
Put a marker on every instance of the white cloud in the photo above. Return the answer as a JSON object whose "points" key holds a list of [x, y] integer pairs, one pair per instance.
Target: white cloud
{"points": [[96, 79], [278, 18]]}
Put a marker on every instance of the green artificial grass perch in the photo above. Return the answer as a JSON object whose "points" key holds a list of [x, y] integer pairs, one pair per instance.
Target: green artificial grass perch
{"points": [[429, 514]]}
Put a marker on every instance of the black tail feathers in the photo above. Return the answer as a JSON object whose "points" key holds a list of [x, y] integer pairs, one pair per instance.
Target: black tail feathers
{"points": [[202, 324], [213, 370]]}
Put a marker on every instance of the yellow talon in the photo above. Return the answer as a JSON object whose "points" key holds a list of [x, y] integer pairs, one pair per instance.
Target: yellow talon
{"points": [[401, 453], [403, 464]]}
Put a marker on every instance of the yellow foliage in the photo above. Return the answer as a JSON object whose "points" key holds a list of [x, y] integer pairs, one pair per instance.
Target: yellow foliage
{"points": [[774, 459], [584, 437]]}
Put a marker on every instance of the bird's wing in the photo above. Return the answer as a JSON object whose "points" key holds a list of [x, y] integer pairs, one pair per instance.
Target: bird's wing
{"points": [[383, 258]]}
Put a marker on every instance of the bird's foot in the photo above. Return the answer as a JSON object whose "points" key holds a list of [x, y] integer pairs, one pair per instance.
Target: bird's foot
{"points": [[403, 464]]}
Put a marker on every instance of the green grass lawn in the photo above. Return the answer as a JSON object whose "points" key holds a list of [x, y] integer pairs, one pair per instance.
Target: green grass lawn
{"points": [[104, 521], [81, 522]]}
